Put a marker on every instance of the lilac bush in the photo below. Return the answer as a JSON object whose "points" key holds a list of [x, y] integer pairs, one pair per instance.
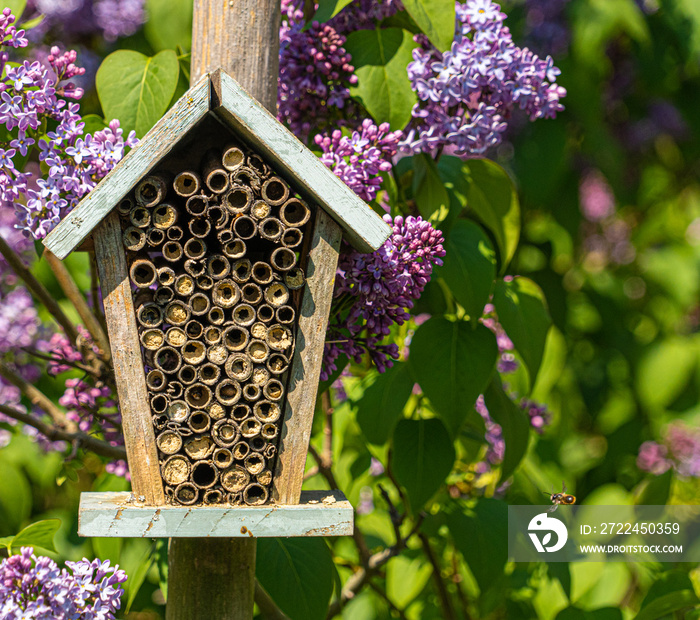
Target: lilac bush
{"points": [[679, 450]]}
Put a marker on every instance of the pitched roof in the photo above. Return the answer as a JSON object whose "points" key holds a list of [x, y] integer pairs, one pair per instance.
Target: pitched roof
{"points": [[220, 95]]}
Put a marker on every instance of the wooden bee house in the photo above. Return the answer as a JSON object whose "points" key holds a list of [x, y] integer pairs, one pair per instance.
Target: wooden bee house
{"points": [[217, 240]]}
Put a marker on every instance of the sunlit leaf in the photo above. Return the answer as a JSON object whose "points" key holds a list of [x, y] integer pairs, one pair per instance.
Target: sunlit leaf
{"points": [[169, 24], [436, 18], [39, 534], [328, 9]]}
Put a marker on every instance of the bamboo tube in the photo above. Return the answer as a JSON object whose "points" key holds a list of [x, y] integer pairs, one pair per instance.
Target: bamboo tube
{"points": [[241, 412], [154, 237], [292, 237], [152, 189], [260, 210], [152, 339], [216, 410], [166, 276], [228, 392], [212, 335], [176, 470], [187, 374], [225, 236], [261, 273], [140, 217], [174, 233], [183, 431], [194, 352], [149, 315], [254, 463], [199, 447], [246, 176], [172, 251], [270, 451], [134, 239], [199, 422], [225, 293], [216, 315], [266, 313], [195, 268], [223, 458], [234, 499], [142, 297], [204, 474], [194, 329], [260, 375], [232, 158], [251, 392], [213, 497], [258, 351], [264, 478], [235, 249], [159, 403], [168, 360], [218, 266], [214, 174], [125, 205], [241, 270], [177, 313], [225, 433], [199, 227], [195, 248], [285, 315], [184, 285], [169, 442], [250, 427], [218, 216], [258, 331], [199, 304], [267, 411], [240, 450], [255, 494], [244, 315], [198, 396], [255, 162], [258, 443], [155, 380], [174, 389], [251, 293], [175, 337], [235, 338], [238, 200], [279, 338], [275, 191], [283, 259], [234, 479], [273, 390], [245, 227], [209, 373], [294, 213], [276, 294], [270, 228], [164, 216], [295, 278], [187, 183], [197, 205], [269, 431], [217, 354], [205, 283], [186, 494], [159, 422]]}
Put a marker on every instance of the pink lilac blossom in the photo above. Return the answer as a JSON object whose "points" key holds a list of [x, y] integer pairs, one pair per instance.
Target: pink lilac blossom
{"points": [[360, 158], [679, 450], [467, 94], [596, 197], [506, 362], [35, 587]]}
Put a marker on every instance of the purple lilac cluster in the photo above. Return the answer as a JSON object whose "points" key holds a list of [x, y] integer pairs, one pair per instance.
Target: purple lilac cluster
{"points": [[467, 94], [679, 450], [547, 29], [35, 587], [506, 361], [375, 291], [32, 95], [364, 14], [360, 158]]}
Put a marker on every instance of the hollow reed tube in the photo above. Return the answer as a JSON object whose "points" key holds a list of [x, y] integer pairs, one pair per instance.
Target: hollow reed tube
{"points": [[197, 205], [238, 199], [255, 494], [140, 217], [235, 249], [187, 374], [204, 474], [175, 337], [244, 314], [218, 216], [134, 239], [241, 270], [155, 380], [152, 339], [187, 183], [218, 266], [195, 248], [260, 210], [143, 273], [222, 458], [275, 191], [199, 447], [164, 216], [154, 237], [176, 470], [294, 278], [234, 479], [294, 213], [152, 189], [209, 373], [291, 237], [283, 259], [261, 273], [232, 158], [215, 175], [270, 229], [199, 227], [172, 251], [225, 293], [225, 433], [245, 227], [199, 304], [169, 442]]}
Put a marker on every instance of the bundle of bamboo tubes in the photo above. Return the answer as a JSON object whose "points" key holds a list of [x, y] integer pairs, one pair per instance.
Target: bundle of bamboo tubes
{"points": [[214, 259]]}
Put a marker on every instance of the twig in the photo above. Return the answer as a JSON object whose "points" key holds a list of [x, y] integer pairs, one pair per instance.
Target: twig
{"points": [[59, 360], [313, 471], [56, 434], [448, 611], [267, 606], [74, 295], [457, 580], [37, 289]]}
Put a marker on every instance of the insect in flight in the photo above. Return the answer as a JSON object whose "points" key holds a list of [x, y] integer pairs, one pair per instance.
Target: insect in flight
{"points": [[560, 498]]}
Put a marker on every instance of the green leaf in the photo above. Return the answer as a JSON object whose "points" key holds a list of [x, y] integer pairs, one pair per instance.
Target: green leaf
{"points": [[575, 613], [436, 19], [667, 604], [382, 403], [492, 197], [429, 190], [665, 370], [422, 457], [32, 23], [469, 267], [514, 424], [380, 58], [93, 123], [6, 541], [15, 497], [405, 578], [169, 24], [327, 9], [16, 6], [453, 364], [657, 490], [137, 89], [39, 534], [138, 576], [522, 311], [298, 573]]}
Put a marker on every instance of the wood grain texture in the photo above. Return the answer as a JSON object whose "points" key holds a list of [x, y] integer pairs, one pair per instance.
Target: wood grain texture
{"points": [[159, 141], [362, 227], [117, 515], [242, 38], [306, 364], [128, 367], [211, 579]]}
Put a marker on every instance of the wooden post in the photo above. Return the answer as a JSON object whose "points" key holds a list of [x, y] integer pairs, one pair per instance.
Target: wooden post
{"points": [[215, 578]]}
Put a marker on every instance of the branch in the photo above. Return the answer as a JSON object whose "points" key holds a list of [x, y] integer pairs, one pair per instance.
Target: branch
{"points": [[38, 290], [56, 434], [267, 606], [448, 611]]}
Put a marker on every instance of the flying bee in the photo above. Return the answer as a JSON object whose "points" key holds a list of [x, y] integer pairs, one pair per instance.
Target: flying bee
{"points": [[560, 498]]}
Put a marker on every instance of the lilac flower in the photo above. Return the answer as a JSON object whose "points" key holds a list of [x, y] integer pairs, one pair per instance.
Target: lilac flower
{"points": [[19, 321], [119, 18], [506, 362], [653, 457], [596, 196], [680, 450], [467, 94], [364, 15]]}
